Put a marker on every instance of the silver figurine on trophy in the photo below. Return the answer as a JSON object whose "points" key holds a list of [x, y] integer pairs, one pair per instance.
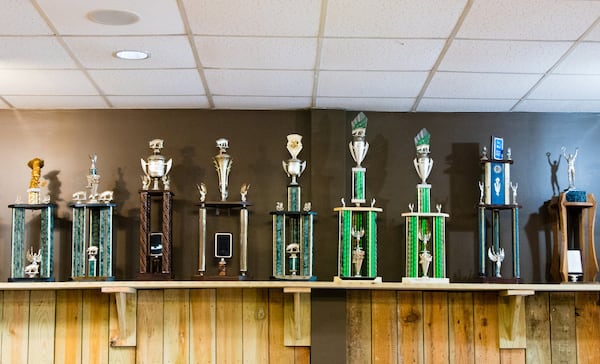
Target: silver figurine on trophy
{"points": [[156, 168], [223, 164]]}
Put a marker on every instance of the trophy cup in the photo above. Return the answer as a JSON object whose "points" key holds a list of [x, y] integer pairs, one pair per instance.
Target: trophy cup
{"points": [[497, 194], [358, 262], [425, 225], [156, 239], [293, 226], [223, 240], [92, 232], [40, 267]]}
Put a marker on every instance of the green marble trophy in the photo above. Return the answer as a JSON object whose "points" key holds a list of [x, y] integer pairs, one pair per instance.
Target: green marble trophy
{"points": [[293, 228], [495, 193], [92, 232], [357, 242], [425, 229], [29, 263]]}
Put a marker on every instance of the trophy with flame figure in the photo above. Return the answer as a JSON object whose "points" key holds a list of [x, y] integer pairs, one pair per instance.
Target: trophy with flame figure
{"points": [[91, 247], [41, 265], [357, 242], [293, 228], [424, 226], [223, 241], [156, 238]]}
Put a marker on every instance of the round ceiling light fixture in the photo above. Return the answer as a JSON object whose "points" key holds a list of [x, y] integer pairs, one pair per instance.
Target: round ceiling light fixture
{"points": [[113, 17], [131, 55]]}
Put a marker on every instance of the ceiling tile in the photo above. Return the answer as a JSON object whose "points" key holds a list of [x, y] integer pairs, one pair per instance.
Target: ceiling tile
{"points": [[45, 82], [260, 82], [19, 17], [568, 87], [3, 105], [148, 82], [69, 17], [465, 105], [251, 52], [529, 20], [558, 106], [480, 85], [366, 104], [380, 54], [57, 102], [261, 103], [584, 59], [594, 35], [165, 51], [159, 102], [370, 84], [33, 52], [392, 18], [254, 17], [502, 56]]}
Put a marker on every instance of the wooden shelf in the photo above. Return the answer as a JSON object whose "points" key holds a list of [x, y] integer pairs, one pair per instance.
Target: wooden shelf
{"points": [[394, 286]]}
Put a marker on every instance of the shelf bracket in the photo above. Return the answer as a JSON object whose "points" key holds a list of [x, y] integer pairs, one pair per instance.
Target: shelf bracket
{"points": [[126, 301], [511, 318], [296, 316]]}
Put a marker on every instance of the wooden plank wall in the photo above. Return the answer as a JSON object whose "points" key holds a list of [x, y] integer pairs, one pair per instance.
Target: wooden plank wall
{"points": [[246, 326], [462, 327]]}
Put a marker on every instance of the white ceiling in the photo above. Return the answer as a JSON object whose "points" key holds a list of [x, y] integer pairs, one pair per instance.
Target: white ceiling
{"points": [[377, 55]]}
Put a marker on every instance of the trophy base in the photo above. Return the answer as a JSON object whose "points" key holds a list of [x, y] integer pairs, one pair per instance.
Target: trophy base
{"points": [[338, 279], [293, 278], [500, 280], [93, 279], [154, 276], [425, 280], [201, 277], [38, 279]]}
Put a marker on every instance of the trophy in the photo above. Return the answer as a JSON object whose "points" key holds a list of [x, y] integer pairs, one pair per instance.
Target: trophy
{"points": [[156, 240], [223, 240], [156, 169], [358, 261], [41, 265], [293, 228], [497, 194], [424, 225], [91, 248], [223, 164]]}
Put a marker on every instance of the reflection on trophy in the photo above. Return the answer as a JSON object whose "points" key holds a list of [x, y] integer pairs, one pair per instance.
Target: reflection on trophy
{"points": [[223, 164], [358, 254], [496, 257], [423, 164], [156, 168], [294, 167]]}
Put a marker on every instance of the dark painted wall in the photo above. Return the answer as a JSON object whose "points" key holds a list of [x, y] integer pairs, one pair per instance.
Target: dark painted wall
{"points": [[257, 144]]}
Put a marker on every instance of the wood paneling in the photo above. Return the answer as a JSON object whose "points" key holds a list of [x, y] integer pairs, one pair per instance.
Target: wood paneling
{"points": [[247, 326]]}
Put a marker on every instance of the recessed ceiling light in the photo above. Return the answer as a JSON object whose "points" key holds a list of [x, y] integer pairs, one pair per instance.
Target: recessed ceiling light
{"points": [[113, 17], [131, 55]]}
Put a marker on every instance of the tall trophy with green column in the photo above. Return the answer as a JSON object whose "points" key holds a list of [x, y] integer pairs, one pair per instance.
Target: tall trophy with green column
{"points": [[425, 229], [357, 242]]}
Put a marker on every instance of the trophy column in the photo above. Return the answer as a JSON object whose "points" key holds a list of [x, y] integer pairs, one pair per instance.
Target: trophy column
{"points": [[41, 266], [92, 241], [156, 244]]}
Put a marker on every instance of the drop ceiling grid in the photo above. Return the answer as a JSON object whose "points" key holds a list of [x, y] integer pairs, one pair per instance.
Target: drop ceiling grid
{"points": [[346, 54]]}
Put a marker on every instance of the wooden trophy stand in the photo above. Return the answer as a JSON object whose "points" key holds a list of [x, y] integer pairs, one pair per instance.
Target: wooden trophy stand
{"points": [[156, 260], [568, 216]]}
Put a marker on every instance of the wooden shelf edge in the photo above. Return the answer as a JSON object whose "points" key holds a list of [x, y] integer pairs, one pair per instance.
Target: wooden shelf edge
{"points": [[119, 286]]}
